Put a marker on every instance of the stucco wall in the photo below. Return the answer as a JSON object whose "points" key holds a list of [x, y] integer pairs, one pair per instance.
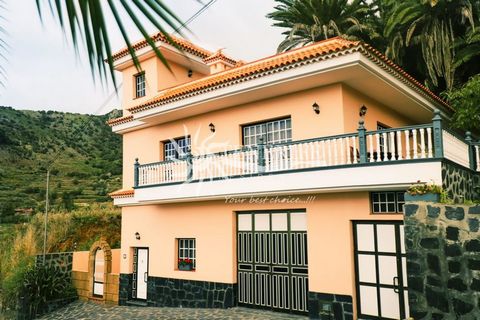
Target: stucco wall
{"points": [[80, 261], [376, 112], [213, 224], [228, 134], [157, 78]]}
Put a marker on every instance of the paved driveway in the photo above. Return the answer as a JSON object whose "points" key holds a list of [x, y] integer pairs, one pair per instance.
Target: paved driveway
{"points": [[87, 310]]}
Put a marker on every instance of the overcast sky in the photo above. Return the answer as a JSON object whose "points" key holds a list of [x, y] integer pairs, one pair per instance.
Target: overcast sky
{"points": [[45, 73]]}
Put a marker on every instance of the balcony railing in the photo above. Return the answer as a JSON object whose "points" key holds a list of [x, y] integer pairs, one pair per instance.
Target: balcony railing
{"points": [[428, 141]]}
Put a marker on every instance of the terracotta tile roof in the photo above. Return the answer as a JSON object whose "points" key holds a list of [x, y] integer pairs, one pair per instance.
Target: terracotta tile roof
{"points": [[219, 55], [182, 43], [122, 193], [318, 49], [117, 121], [398, 69], [269, 63]]}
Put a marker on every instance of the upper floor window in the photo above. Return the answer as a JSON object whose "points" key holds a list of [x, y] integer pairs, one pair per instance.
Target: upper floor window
{"points": [[388, 201], [176, 148], [275, 131], [140, 85]]}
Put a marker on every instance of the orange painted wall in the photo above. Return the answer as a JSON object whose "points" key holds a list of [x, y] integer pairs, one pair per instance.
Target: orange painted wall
{"points": [[157, 76], [305, 123], [80, 261], [213, 224], [377, 112]]}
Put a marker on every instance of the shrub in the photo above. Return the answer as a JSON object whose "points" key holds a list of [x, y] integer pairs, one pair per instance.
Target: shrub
{"points": [[12, 284], [44, 283]]}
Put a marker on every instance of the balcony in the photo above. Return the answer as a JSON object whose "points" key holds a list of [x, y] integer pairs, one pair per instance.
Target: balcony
{"points": [[387, 159]]}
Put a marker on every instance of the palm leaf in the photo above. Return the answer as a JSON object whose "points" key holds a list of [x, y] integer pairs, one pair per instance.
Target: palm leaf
{"points": [[85, 20]]}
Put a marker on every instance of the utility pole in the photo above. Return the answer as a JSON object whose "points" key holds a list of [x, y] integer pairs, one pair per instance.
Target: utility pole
{"points": [[46, 218]]}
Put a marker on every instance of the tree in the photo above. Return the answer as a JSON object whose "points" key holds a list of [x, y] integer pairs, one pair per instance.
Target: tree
{"points": [[309, 21], [433, 25], [467, 55], [466, 102]]}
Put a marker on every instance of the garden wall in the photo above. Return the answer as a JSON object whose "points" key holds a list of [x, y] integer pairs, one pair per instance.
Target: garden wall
{"points": [[82, 274], [61, 263], [443, 260], [459, 182]]}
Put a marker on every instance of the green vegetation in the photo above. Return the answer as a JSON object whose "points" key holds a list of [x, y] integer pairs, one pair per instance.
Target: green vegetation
{"points": [[67, 231], [83, 155], [42, 284], [436, 41], [466, 101]]}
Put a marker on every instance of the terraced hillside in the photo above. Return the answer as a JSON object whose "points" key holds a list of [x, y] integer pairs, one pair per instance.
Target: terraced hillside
{"points": [[83, 155]]}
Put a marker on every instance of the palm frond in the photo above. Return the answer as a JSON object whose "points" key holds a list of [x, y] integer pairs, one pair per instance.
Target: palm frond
{"points": [[85, 21]]}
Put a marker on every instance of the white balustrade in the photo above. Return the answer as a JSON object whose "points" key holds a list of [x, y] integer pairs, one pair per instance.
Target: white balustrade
{"points": [[399, 144], [309, 154], [455, 149], [162, 172], [381, 146]]}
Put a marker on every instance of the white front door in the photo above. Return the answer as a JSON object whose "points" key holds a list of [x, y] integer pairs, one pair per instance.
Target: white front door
{"points": [[142, 273], [380, 264]]}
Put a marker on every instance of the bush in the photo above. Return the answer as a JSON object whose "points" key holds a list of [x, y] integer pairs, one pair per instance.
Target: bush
{"points": [[42, 284], [13, 283]]}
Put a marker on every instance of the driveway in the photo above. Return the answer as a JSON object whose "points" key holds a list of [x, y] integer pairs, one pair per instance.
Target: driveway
{"points": [[87, 310]]}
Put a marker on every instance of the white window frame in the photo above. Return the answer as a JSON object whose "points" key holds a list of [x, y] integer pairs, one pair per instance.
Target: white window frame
{"points": [[187, 249], [273, 131], [176, 148], [140, 85]]}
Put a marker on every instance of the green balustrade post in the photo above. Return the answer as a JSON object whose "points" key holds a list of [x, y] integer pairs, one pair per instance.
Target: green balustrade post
{"points": [[189, 159], [437, 134], [362, 141], [261, 155], [136, 166], [471, 151]]}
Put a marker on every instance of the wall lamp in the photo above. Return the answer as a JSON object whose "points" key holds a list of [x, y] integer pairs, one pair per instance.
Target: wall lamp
{"points": [[316, 108], [363, 111], [212, 127], [190, 73], [137, 235]]}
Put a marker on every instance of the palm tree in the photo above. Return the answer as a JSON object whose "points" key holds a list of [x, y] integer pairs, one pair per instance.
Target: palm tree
{"points": [[308, 21], [433, 26], [84, 20]]}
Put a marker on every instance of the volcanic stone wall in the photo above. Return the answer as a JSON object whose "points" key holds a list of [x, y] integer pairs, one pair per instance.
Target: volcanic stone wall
{"points": [[443, 260]]}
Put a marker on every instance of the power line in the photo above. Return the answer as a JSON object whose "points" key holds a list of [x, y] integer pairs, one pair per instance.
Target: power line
{"points": [[195, 15]]}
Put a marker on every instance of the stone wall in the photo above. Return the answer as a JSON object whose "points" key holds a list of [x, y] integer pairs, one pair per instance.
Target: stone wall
{"points": [[125, 290], [167, 292], [81, 281], [61, 261], [459, 182], [443, 260], [329, 306]]}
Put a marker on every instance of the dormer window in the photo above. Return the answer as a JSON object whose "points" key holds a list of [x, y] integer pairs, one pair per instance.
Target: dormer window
{"points": [[140, 85]]}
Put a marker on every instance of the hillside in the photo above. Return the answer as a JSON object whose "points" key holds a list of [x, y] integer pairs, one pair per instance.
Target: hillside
{"points": [[83, 155]]}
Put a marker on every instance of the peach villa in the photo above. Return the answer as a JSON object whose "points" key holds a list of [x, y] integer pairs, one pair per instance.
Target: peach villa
{"points": [[278, 183]]}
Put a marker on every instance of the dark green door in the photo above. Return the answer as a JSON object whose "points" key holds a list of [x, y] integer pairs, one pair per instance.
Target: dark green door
{"points": [[272, 260]]}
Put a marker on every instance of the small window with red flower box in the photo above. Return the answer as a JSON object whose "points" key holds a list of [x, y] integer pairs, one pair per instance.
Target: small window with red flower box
{"points": [[186, 254]]}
